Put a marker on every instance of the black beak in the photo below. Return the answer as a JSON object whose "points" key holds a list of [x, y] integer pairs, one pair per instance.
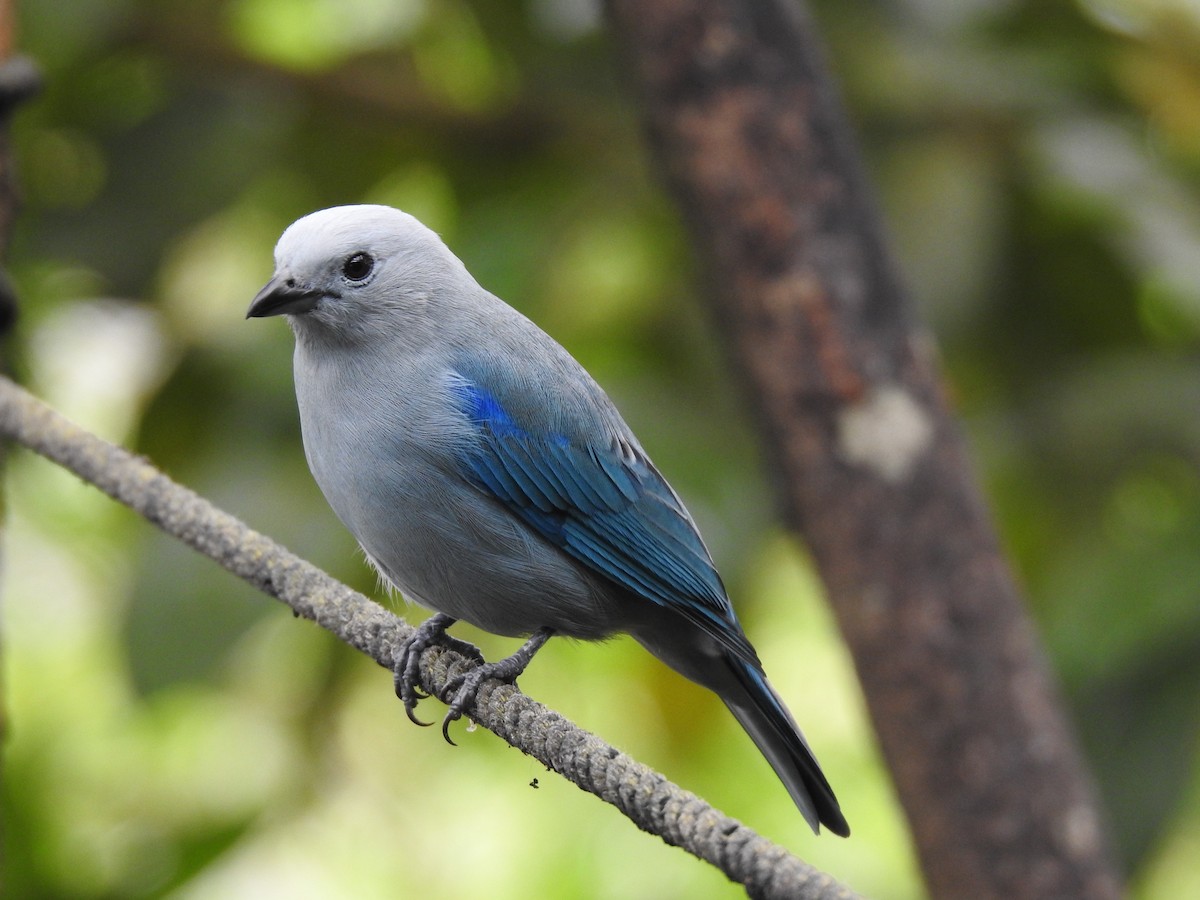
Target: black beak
{"points": [[283, 295]]}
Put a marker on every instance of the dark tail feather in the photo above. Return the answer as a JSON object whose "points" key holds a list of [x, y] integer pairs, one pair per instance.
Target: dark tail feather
{"points": [[760, 711]]}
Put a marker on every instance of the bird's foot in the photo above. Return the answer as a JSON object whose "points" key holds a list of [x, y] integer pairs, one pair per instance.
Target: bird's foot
{"points": [[407, 672], [464, 686]]}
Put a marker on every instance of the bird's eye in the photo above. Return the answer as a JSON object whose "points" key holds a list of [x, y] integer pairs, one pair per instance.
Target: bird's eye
{"points": [[358, 266]]}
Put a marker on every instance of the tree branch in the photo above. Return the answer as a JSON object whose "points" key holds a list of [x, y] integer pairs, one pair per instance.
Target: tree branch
{"points": [[648, 799], [870, 465]]}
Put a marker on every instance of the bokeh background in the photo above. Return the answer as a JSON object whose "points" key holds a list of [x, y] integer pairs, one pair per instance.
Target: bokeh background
{"points": [[172, 733]]}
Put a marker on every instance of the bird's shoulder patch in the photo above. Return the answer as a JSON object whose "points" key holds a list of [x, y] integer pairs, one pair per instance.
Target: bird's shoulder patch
{"points": [[480, 406]]}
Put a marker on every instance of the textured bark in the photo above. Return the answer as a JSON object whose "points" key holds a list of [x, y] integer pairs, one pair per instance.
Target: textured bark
{"points": [[649, 800], [871, 468]]}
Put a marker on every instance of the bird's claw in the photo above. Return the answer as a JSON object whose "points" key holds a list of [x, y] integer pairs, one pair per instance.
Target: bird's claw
{"points": [[407, 672], [463, 686]]}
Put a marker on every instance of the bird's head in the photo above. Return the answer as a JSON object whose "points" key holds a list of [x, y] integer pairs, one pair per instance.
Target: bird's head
{"points": [[350, 272]]}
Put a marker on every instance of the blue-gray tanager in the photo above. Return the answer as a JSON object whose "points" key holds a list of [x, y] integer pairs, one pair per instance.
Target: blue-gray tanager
{"points": [[489, 478]]}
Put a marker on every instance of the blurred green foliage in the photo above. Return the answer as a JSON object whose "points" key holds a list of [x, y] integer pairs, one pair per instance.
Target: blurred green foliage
{"points": [[170, 732]]}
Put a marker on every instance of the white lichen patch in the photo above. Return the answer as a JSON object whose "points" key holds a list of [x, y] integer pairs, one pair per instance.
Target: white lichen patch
{"points": [[886, 432]]}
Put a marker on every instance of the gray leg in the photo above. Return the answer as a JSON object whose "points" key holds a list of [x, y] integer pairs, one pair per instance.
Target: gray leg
{"points": [[464, 687]]}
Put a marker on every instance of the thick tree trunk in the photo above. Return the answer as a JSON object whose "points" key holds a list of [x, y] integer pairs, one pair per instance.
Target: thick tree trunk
{"points": [[871, 468]]}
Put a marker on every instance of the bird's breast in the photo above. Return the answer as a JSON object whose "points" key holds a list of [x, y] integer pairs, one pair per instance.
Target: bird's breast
{"points": [[385, 449]]}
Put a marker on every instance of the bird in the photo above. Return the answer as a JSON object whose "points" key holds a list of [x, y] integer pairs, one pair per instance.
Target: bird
{"points": [[489, 478]]}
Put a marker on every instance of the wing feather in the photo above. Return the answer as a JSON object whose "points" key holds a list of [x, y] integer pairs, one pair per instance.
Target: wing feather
{"points": [[606, 506]]}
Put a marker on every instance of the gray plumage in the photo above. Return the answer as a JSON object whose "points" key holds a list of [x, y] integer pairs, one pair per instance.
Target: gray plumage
{"points": [[489, 478]]}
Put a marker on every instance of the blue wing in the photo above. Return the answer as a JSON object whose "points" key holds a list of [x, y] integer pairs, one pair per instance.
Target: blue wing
{"points": [[607, 507]]}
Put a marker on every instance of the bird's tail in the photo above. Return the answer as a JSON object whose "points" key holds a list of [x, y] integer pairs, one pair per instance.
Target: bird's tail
{"points": [[758, 708]]}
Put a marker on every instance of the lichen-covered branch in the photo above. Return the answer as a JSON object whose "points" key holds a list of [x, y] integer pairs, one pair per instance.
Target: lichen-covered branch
{"points": [[652, 802]]}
